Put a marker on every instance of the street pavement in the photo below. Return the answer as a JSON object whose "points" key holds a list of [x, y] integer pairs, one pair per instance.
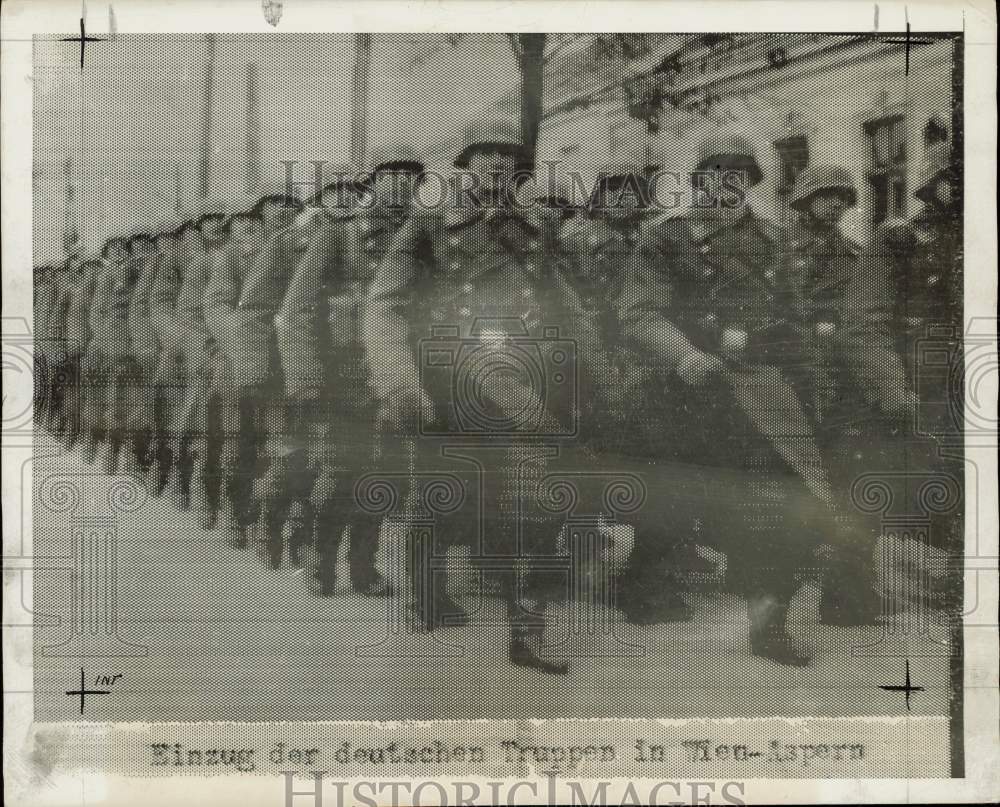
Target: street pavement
{"points": [[199, 630]]}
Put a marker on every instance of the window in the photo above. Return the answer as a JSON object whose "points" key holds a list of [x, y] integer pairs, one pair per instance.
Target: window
{"points": [[887, 175]]}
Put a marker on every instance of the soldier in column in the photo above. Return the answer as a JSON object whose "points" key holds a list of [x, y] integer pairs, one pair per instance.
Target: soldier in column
{"points": [[921, 258], [851, 381], [851, 370], [53, 304], [297, 458], [242, 296], [42, 290], [707, 303], [919, 264], [107, 350], [478, 266], [81, 292], [176, 250], [602, 247], [192, 475], [149, 254], [320, 334]]}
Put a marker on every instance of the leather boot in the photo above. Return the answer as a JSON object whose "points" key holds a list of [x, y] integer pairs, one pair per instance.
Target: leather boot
{"points": [[174, 487], [849, 598], [90, 445], [366, 580], [768, 636], [199, 498], [299, 528], [229, 524], [441, 611], [271, 546], [112, 453], [522, 654]]}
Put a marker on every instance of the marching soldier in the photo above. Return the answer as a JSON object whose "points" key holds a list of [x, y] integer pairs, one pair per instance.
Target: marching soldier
{"points": [[42, 301], [919, 268], [922, 258], [479, 268], [849, 367], [145, 354], [707, 302], [602, 245], [242, 296], [107, 355], [81, 291], [294, 459], [327, 366], [176, 250], [193, 460], [52, 301]]}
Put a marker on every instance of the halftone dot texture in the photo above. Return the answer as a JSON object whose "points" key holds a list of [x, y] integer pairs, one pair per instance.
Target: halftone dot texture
{"points": [[255, 364]]}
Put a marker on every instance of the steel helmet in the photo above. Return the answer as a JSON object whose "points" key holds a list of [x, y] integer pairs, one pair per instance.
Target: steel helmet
{"points": [[209, 208], [274, 191], [732, 146], [500, 133], [394, 157], [627, 162], [817, 178]]}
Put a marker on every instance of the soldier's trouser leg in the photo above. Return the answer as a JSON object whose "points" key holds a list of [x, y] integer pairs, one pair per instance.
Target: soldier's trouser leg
{"points": [[167, 394], [286, 484], [516, 526], [272, 489], [97, 391], [189, 481], [237, 465], [116, 413], [41, 388], [55, 392], [352, 455], [52, 396], [529, 534], [70, 406], [61, 393], [375, 456], [139, 414], [331, 497]]}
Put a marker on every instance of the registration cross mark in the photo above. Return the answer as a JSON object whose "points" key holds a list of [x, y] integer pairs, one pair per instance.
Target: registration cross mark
{"points": [[907, 687], [83, 39], [83, 691]]}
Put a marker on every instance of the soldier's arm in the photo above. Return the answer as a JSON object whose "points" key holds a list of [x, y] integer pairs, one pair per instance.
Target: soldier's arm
{"points": [[260, 289], [163, 302], [222, 293], [60, 310], [645, 305], [868, 339], [297, 322], [385, 327], [99, 305], [139, 307]]}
